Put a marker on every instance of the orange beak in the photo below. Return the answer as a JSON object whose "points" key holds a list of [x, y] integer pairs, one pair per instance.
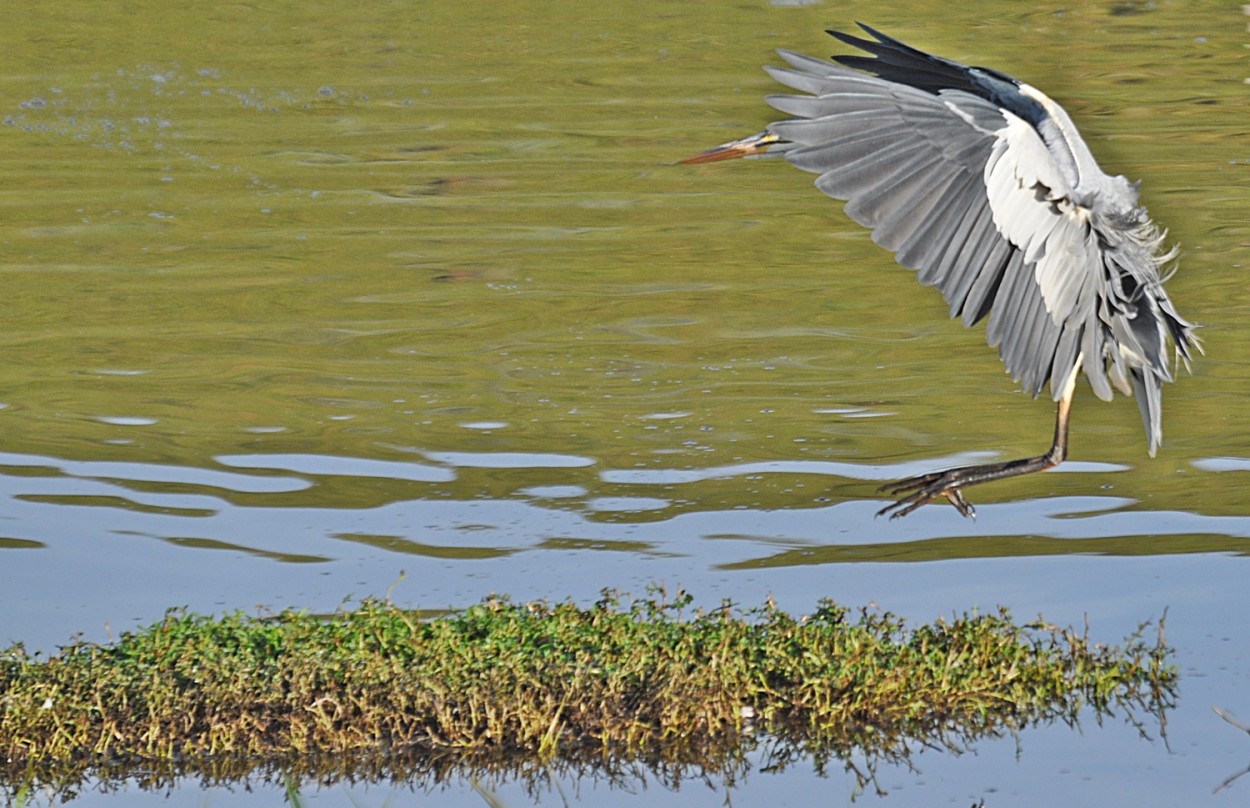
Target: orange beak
{"points": [[746, 147]]}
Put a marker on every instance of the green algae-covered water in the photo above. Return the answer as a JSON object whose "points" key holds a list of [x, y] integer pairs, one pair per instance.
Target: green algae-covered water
{"points": [[299, 298]]}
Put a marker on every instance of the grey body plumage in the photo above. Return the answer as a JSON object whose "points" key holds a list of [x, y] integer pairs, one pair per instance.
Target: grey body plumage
{"points": [[983, 186]]}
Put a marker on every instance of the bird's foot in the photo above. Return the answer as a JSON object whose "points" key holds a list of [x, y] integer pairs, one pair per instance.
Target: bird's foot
{"points": [[921, 490]]}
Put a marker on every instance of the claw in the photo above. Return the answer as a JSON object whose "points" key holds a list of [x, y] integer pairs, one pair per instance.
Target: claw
{"points": [[962, 505], [923, 490]]}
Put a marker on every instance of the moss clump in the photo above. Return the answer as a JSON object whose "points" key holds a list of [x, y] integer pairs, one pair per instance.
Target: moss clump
{"points": [[645, 678]]}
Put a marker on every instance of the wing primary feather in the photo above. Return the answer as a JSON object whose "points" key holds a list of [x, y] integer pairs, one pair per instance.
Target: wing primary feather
{"points": [[982, 185]]}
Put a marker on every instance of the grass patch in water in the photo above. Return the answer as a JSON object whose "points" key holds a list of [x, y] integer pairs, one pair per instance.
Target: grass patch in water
{"points": [[645, 679]]}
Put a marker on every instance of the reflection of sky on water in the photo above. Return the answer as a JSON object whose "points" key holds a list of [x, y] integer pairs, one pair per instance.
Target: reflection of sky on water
{"points": [[102, 547], [218, 255], [92, 529], [117, 555]]}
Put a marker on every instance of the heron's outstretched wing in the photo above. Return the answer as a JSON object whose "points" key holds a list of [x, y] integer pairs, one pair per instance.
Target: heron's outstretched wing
{"points": [[983, 186], [939, 183]]}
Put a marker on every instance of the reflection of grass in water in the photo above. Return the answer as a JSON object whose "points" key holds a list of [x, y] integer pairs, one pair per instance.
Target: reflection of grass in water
{"points": [[528, 690]]}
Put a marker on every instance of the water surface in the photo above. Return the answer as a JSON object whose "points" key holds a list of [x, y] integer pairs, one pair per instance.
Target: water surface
{"points": [[303, 303]]}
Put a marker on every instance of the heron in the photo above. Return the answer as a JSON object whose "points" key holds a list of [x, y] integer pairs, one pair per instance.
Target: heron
{"points": [[983, 186]]}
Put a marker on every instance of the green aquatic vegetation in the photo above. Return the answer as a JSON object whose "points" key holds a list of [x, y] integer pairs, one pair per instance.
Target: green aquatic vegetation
{"points": [[642, 680]]}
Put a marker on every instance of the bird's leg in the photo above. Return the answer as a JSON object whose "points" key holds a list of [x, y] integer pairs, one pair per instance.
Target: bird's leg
{"points": [[916, 491]]}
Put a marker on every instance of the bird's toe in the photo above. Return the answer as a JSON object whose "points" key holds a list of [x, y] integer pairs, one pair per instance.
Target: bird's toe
{"points": [[914, 492]]}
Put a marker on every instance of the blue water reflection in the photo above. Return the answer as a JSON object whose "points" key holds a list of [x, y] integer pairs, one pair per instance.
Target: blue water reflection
{"points": [[127, 540]]}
